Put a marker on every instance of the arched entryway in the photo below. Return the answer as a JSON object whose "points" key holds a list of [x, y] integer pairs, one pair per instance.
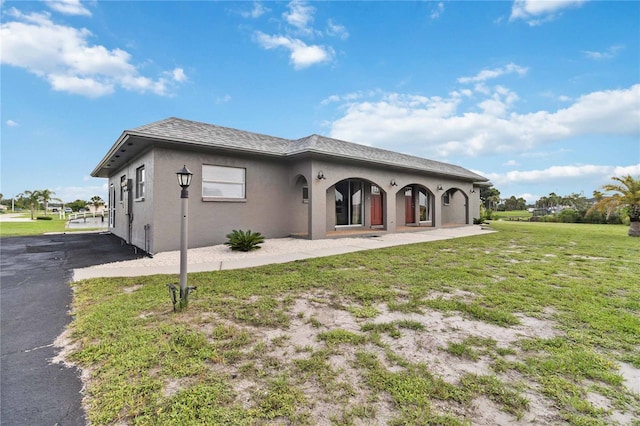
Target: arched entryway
{"points": [[355, 203], [418, 206], [455, 207]]}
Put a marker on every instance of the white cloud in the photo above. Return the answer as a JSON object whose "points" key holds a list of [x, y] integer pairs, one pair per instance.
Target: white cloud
{"points": [[627, 170], [300, 15], [63, 56], [337, 30], [350, 97], [510, 163], [537, 12], [437, 11], [499, 102], [610, 53], [12, 123], [257, 11], [435, 127], [301, 54], [178, 75], [71, 193], [555, 173], [68, 7], [299, 19], [529, 198], [485, 75]]}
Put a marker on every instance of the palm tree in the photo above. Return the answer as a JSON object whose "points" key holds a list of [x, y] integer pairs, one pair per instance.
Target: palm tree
{"points": [[96, 201], [45, 197], [32, 198], [626, 195]]}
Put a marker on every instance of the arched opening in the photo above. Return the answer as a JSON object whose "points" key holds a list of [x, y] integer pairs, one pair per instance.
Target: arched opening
{"points": [[418, 206], [355, 203], [455, 207], [299, 207]]}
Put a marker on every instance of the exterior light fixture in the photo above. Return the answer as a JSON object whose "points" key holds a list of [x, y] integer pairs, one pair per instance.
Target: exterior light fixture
{"points": [[321, 175], [393, 182], [439, 187], [184, 180], [472, 190]]}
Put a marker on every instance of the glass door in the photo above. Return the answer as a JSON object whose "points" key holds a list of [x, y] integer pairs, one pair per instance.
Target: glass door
{"points": [[349, 203]]}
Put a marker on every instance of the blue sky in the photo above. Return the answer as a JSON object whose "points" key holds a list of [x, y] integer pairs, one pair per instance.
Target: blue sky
{"points": [[539, 96]]}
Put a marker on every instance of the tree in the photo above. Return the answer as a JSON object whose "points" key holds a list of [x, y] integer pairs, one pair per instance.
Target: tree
{"points": [[31, 200], [77, 205], [96, 201], [45, 197], [626, 196], [490, 197]]}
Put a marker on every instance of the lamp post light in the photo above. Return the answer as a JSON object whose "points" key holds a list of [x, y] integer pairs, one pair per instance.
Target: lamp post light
{"points": [[184, 180]]}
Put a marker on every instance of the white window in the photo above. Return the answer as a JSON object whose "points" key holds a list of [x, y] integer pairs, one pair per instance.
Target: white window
{"points": [[220, 182], [123, 185], [140, 178]]}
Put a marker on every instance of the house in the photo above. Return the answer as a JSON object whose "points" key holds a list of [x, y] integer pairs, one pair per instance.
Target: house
{"points": [[315, 187]]}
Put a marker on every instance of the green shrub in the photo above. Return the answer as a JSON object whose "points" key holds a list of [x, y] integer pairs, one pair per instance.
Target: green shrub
{"points": [[568, 216], [244, 241], [44, 218]]}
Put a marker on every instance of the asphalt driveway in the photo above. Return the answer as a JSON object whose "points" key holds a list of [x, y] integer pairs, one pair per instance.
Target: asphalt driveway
{"points": [[35, 298]]}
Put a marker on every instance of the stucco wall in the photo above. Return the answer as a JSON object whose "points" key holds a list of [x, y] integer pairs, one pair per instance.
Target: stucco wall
{"points": [[266, 208], [141, 208], [456, 211], [273, 204]]}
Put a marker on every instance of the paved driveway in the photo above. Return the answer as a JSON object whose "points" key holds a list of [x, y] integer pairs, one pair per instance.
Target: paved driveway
{"points": [[34, 302]]}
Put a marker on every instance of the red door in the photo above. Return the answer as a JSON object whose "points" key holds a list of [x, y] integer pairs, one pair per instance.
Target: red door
{"points": [[409, 207], [376, 209]]}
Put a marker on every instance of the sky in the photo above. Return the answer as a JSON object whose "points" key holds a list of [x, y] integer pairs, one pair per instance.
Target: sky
{"points": [[538, 96]]}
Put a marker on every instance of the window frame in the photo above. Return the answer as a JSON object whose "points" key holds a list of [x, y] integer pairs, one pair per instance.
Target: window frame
{"points": [[446, 199], [123, 184], [205, 180], [140, 183]]}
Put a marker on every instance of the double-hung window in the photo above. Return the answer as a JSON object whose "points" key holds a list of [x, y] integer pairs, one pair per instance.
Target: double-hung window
{"points": [[223, 183]]}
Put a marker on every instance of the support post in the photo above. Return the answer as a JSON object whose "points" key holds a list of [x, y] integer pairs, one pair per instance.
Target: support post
{"points": [[184, 230]]}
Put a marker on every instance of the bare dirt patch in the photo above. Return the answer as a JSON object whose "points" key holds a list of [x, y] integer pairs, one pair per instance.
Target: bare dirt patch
{"points": [[426, 346]]}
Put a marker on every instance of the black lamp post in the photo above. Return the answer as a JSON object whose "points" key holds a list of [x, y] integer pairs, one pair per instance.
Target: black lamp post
{"points": [[184, 180]]}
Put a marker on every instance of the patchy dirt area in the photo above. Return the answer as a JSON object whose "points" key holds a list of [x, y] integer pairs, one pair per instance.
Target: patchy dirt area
{"points": [[420, 339]]}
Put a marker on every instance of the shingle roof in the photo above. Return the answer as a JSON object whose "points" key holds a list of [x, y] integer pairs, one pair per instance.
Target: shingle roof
{"points": [[191, 132]]}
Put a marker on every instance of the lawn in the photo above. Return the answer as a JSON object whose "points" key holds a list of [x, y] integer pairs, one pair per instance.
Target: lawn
{"points": [[511, 215], [533, 324], [36, 227]]}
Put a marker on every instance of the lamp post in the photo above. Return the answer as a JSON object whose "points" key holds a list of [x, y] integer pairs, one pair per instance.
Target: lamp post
{"points": [[184, 180]]}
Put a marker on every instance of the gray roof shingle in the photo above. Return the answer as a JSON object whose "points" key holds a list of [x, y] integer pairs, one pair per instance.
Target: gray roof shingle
{"points": [[191, 132]]}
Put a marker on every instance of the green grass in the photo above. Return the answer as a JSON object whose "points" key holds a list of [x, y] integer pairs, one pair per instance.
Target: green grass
{"points": [[214, 364], [511, 215], [36, 227]]}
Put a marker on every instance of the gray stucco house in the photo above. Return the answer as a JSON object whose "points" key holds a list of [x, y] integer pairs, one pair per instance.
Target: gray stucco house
{"points": [[315, 187]]}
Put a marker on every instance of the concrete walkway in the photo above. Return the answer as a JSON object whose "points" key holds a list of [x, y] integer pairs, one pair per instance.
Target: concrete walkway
{"points": [[287, 250]]}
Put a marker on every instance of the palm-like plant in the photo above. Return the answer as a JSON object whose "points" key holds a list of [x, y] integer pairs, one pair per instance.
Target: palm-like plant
{"points": [[244, 241], [96, 202], [32, 199], [626, 195], [46, 195]]}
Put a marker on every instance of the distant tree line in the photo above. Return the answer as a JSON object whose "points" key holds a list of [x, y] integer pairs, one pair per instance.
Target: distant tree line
{"points": [[619, 203], [40, 199]]}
